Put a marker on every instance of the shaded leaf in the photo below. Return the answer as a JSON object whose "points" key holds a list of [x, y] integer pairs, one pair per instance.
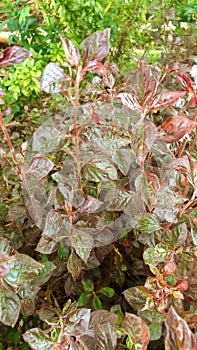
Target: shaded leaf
{"points": [[97, 304], [137, 330], [71, 51], [74, 265], [101, 317], [88, 286], [9, 307], [37, 340], [40, 167], [83, 299], [154, 320], [54, 79], [82, 241], [53, 224], [107, 291], [165, 100], [136, 296], [105, 336], [179, 336], [13, 55], [47, 245], [123, 159], [47, 138], [95, 46]]}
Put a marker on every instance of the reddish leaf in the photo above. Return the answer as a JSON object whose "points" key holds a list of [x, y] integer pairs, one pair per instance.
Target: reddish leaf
{"points": [[13, 55], [137, 330], [89, 205], [130, 100], [179, 336], [165, 100], [53, 224], [54, 79], [71, 51], [149, 83], [95, 46], [186, 83], [176, 127], [181, 285], [40, 167], [95, 67], [193, 101]]}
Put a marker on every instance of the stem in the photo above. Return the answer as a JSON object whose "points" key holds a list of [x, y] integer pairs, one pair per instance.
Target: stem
{"points": [[78, 78], [14, 157]]}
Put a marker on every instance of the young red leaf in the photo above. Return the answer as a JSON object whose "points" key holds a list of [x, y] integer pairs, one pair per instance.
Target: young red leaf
{"points": [[95, 46], [13, 55], [176, 127], [54, 79], [186, 83], [71, 51], [95, 67], [130, 100], [179, 336], [165, 100]]}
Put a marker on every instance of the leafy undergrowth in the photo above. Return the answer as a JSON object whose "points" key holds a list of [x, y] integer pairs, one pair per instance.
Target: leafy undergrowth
{"points": [[104, 255]]}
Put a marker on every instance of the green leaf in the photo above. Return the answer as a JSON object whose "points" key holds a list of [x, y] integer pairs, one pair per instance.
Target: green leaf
{"points": [[108, 292], [156, 255], [97, 303], [83, 299], [148, 223], [88, 286], [23, 269], [9, 307], [63, 253], [37, 340]]}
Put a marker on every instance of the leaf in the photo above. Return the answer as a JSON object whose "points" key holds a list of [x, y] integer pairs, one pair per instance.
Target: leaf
{"points": [[154, 320], [156, 255], [88, 286], [137, 330], [123, 159], [82, 241], [37, 340], [130, 100], [95, 67], [107, 291], [40, 167], [176, 127], [100, 169], [23, 270], [74, 265], [13, 55], [9, 307], [165, 100], [53, 224], [97, 303], [89, 205], [54, 79], [186, 83], [77, 322], [179, 336], [105, 336], [148, 223], [71, 51], [83, 299], [137, 296], [47, 138], [47, 245], [95, 46], [102, 317]]}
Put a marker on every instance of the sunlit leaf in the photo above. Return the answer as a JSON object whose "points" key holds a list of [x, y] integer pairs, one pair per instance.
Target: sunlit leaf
{"points": [[179, 336], [136, 296], [95, 46], [137, 330], [156, 255], [9, 307], [54, 79], [154, 320], [23, 270], [176, 127], [82, 241], [53, 223], [13, 55], [71, 51], [100, 169], [37, 340], [165, 100], [40, 167], [95, 67], [77, 322], [105, 336], [89, 205], [83, 299], [130, 100], [148, 223]]}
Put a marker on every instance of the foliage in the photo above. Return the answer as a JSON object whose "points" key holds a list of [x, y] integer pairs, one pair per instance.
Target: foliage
{"points": [[111, 185]]}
